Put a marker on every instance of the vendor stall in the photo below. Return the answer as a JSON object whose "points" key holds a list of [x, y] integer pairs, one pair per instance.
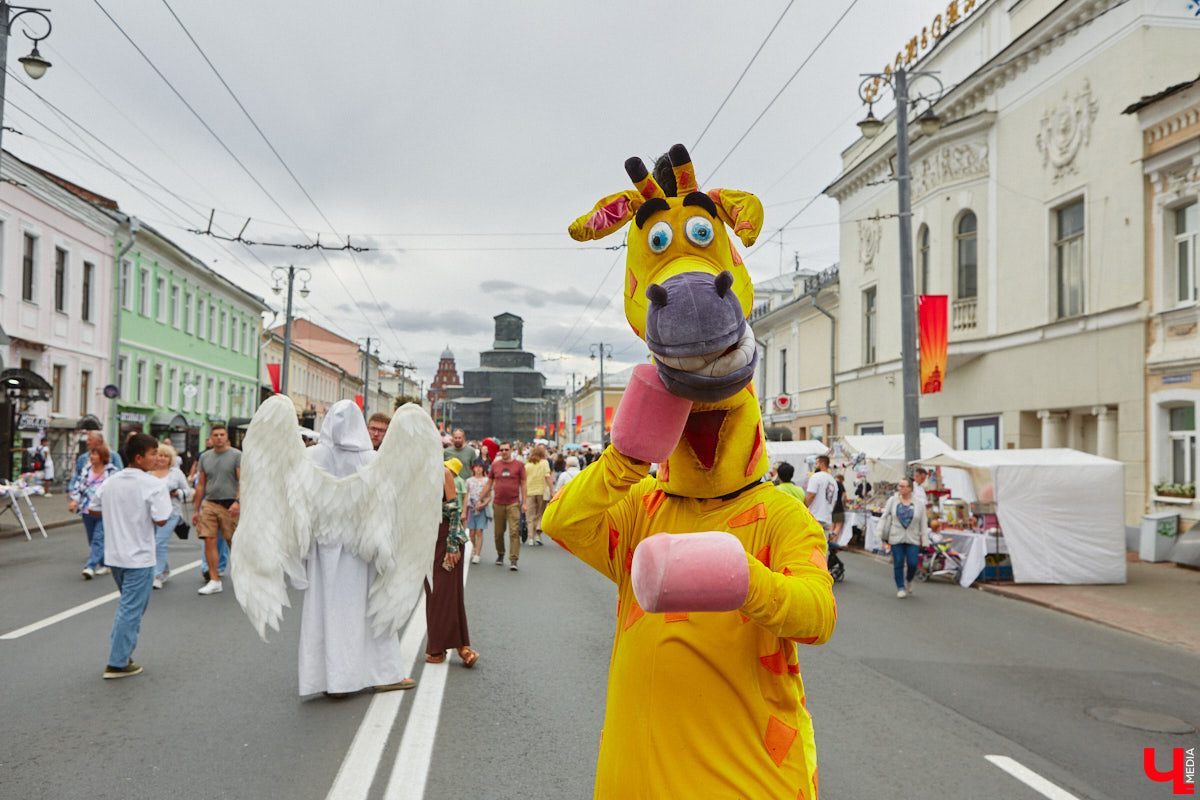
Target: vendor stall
{"points": [[1062, 512], [795, 453]]}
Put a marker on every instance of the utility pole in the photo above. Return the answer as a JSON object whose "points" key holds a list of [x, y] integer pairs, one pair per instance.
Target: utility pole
{"points": [[572, 405], [604, 353], [277, 274], [367, 380], [401, 367]]}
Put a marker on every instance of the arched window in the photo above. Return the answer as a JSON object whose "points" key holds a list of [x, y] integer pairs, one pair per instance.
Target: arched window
{"points": [[923, 260], [966, 238]]}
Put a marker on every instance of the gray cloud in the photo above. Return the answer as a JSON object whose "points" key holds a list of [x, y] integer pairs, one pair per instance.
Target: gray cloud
{"points": [[539, 298]]}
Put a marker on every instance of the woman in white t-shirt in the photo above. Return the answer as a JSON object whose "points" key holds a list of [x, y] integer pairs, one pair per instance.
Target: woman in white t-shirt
{"points": [[177, 485], [475, 519]]}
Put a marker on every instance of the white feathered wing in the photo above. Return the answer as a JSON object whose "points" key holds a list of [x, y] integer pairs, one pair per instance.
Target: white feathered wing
{"points": [[387, 514]]}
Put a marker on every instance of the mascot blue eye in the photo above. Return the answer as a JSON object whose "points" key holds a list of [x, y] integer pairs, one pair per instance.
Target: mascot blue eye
{"points": [[699, 231], [660, 236]]}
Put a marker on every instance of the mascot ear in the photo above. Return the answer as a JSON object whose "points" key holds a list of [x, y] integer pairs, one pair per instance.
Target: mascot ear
{"points": [[607, 216], [741, 211]]}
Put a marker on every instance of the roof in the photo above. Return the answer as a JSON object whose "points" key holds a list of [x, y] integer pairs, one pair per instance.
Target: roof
{"points": [[448, 353], [1146, 100], [73, 188]]}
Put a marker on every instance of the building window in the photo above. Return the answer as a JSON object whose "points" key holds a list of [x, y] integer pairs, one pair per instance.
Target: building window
{"points": [[159, 386], [982, 433], [173, 401], [174, 306], [783, 370], [29, 268], [1186, 225], [188, 402], [923, 260], [966, 238], [929, 426], [871, 429], [126, 289], [236, 344], [212, 323], [160, 289], [144, 292], [1068, 259], [187, 312], [85, 392], [869, 324], [60, 280], [89, 278], [141, 380], [249, 338], [224, 329], [1183, 444], [222, 399], [212, 396], [199, 317], [817, 432], [56, 385], [123, 376]]}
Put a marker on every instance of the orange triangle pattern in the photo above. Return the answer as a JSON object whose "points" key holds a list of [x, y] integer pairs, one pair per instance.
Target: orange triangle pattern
{"points": [[676, 616], [787, 572], [653, 500], [764, 556], [629, 560], [794, 668], [635, 613], [744, 617], [749, 516], [805, 640], [632, 282], [779, 739], [756, 451], [776, 662], [559, 542], [664, 471], [614, 536], [818, 559]]}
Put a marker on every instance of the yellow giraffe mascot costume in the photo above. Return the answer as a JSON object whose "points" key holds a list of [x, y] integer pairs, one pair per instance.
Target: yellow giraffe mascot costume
{"points": [[719, 576]]}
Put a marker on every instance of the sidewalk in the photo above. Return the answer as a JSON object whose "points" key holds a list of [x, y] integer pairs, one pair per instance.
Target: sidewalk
{"points": [[51, 510], [1160, 601]]}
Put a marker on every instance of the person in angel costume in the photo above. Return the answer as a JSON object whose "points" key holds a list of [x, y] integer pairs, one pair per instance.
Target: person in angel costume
{"points": [[353, 527]]}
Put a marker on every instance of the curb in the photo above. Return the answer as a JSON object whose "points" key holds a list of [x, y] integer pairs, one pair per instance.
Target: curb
{"points": [[9, 533]]}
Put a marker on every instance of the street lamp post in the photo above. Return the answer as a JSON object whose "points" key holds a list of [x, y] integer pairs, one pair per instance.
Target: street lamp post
{"points": [[278, 274], [870, 127], [367, 376], [35, 65], [605, 352]]}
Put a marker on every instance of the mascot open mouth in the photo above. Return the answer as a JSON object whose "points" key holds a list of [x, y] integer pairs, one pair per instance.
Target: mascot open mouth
{"points": [[703, 347]]}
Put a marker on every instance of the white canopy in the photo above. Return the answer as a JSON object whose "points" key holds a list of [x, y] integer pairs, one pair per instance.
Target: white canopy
{"points": [[886, 452], [1062, 511], [795, 453]]}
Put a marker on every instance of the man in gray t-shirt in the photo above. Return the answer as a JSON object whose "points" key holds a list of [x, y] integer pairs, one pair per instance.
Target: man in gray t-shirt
{"points": [[217, 508], [462, 451]]}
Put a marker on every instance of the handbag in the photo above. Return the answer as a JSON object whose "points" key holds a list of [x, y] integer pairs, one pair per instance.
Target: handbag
{"points": [[524, 528], [182, 529]]}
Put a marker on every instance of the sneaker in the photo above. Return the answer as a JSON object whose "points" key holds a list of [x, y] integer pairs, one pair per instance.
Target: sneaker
{"points": [[102, 570], [406, 683], [513, 566], [499, 561], [158, 583], [908, 587], [88, 573], [212, 587], [474, 559], [131, 668], [902, 594]]}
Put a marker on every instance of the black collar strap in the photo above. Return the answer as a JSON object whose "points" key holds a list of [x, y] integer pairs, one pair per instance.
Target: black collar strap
{"points": [[729, 496]]}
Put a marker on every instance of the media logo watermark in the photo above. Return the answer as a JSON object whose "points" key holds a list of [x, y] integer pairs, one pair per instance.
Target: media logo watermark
{"points": [[1182, 774]]}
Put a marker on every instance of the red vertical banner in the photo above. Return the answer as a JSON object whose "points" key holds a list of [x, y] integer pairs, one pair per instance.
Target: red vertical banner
{"points": [[358, 399], [934, 329], [273, 371], [608, 415], [578, 423]]}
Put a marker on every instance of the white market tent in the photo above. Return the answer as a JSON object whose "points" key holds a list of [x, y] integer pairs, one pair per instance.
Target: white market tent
{"points": [[1062, 511], [885, 453], [795, 453]]}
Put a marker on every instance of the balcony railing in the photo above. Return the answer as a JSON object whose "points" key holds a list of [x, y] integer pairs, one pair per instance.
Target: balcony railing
{"points": [[962, 315]]}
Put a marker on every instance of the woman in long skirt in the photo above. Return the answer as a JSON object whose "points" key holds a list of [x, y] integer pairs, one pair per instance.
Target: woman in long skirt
{"points": [[445, 610]]}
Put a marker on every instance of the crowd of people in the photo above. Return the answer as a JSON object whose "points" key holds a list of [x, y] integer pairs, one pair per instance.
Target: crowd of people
{"points": [[132, 500]]}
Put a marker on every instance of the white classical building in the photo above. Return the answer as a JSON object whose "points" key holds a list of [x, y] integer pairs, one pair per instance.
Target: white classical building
{"points": [[1028, 212]]}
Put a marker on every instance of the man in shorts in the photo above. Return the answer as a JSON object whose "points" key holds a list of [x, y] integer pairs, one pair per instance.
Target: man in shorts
{"points": [[820, 494], [217, 506]]}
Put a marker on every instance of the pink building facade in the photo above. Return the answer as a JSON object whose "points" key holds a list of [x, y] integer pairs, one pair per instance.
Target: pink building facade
{"points": [[56, 304]]}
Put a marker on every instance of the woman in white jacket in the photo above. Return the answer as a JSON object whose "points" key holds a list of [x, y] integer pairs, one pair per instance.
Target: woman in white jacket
{"points": [[904, 526]]}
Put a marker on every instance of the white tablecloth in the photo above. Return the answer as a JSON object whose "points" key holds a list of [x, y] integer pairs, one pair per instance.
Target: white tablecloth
{"points": [[973, 548], [865, 520]]}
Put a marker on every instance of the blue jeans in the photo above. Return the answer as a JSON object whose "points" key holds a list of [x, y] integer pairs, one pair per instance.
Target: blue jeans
{"points": [[135, 584], [222, 554], [162, 537], [94, 527], [901, 554]]}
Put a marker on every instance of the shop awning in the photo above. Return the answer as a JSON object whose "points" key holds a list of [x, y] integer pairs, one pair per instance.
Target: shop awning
{"points": [[26, 383], [169, 420], [239, 422], [88, 422]]}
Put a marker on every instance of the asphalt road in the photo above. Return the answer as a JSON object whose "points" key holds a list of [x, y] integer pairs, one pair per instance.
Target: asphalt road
{"points": [[908, 697]]}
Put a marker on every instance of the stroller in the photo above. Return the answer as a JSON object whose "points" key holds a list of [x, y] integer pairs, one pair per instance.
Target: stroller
{"points": [[939, 560], [834, 564]]}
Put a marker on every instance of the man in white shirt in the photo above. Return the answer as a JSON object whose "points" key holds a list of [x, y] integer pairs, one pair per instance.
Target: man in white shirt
{"points": [[132, 502], [820, 494], [920, 475]]}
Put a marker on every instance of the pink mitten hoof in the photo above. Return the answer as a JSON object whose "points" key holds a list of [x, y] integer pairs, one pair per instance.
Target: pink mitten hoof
{"points": [[690, 572], [649, 420]]}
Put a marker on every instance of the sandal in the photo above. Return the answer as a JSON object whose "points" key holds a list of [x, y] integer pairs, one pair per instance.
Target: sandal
{"points": [[468, 656], [432, 659]]}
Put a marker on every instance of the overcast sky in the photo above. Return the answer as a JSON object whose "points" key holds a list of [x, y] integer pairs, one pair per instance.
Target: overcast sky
{"points": [[456, 139]]}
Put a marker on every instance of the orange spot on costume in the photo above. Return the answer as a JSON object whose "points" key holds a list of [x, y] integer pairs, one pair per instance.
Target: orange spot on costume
{"points": [[701, 704]]}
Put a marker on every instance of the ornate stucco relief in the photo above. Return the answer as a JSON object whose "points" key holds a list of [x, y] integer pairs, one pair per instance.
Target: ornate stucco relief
{"points": [[1065, 128], [869, 232], [949, 164]]}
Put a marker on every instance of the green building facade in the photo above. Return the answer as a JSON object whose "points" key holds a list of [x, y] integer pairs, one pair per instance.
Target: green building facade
{"points": [[187, 346]]}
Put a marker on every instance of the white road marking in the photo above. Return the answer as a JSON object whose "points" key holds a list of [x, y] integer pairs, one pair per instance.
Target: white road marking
{"points": [[1030, 778], [79, 609], [411, 769], [357, 772]]}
